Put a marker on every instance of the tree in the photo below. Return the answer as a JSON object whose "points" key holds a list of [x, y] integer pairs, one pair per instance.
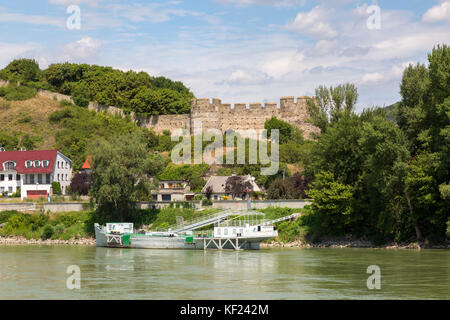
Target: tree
{"points": [[294, 187], [81, 95], [280, 189], [118, 167], [80, 183], [238, 185], [208, 192], [331, 103], [332, 202], [424, 115], [22, 70]]}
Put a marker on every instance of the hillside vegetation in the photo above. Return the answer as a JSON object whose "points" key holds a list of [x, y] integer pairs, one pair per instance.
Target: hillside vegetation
{"points": [[131, 91]]}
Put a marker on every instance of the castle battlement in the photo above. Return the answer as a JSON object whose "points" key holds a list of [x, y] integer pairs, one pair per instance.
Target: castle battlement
{"points": [[214, 114], [216, 105]]}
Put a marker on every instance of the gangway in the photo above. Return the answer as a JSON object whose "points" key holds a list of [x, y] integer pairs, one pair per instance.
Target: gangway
{"points": [[208, 220], [290, 217]]}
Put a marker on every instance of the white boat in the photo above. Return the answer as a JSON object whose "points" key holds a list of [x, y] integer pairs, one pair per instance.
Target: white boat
{"points": [[122, 235]]}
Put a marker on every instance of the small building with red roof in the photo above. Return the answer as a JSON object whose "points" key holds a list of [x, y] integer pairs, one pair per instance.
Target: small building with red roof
{"points": [[34, 172], [87, 164]]}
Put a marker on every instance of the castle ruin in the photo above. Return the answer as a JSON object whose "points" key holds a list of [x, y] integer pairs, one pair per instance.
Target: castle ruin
{"points": [[213, 114]]}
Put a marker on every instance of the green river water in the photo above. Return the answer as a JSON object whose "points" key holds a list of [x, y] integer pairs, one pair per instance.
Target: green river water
{"points": [[39, 272]]}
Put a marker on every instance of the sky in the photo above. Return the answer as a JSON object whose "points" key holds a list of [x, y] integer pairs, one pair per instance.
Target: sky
{"points": [[235, 50]]}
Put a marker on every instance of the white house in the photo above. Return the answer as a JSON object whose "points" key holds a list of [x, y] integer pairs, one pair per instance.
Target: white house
{"points": [[33, 172]]}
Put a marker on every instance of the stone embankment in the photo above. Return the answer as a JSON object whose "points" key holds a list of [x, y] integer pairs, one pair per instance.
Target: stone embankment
{"points": [[338, 243], [24, 241]]}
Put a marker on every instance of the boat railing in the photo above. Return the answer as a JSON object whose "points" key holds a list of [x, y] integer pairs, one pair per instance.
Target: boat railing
{"points": [[199, 219]]}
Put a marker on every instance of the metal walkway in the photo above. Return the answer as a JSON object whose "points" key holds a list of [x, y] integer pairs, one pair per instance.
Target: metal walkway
{"points": [[208, 220], [290, 217]]}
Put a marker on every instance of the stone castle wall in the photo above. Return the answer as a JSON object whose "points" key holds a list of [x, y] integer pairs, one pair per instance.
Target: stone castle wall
{"points": [[213, 114]]}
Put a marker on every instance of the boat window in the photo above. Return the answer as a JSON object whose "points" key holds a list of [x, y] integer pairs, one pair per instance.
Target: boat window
{"points": [[218, 231], [234, 231], [225, 231]]}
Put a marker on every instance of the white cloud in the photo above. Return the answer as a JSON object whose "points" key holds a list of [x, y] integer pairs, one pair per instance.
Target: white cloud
{"points": [[11, 51], [6, 16], [438, 13], [372, 77], [93, 3], [314, 23], [277, 3], [84, 49]]}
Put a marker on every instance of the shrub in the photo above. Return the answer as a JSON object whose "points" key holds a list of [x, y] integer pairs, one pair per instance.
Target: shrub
{"points": [[14, 92], [207, 202], [47, 232], [56, 186], [59, 229]]}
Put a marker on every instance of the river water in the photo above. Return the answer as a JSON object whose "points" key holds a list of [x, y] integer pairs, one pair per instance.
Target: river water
{"points": [[39, 272]]}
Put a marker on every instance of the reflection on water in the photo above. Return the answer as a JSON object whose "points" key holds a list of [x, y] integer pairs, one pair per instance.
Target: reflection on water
{"points": [[39, 272]]}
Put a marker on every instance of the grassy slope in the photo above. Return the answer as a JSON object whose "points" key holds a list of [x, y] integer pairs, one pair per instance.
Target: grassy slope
{"points": [[39, 109]]}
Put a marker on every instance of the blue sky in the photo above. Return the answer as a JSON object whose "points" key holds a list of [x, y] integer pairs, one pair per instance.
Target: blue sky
{"points": [[235, 50]]}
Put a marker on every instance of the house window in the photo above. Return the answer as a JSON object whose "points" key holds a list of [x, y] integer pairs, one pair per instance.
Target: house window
{"points": [[45, 164], [2, 177], [2, 189], [40, 178], [37, 164], [58, 164], [9, 165], [66, 177], [31, 178], [155, 197], [10, 189], [218, 231], [58, 178], [166, 197], [47, 178], [28, 164], [10, 177], [18, 177]]}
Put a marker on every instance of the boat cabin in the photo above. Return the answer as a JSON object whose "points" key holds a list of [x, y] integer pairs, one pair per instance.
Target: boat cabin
{"points": [[119, 228], [244, 231]]}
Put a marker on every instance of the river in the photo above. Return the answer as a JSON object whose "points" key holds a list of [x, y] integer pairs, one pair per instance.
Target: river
{"points": [[39, 272]]}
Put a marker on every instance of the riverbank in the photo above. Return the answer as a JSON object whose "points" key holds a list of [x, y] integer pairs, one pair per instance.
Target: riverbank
{"points": [[25, 241], [347, 243]]}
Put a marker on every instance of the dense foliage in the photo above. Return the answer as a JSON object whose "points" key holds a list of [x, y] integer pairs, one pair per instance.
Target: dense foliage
{"points": [[375, 178], [131, 91]]}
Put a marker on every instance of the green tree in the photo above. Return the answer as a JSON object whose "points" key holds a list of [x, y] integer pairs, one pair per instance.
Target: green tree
{"points": [[332, 202], [118, 166], [22, 70], [331, 103]]}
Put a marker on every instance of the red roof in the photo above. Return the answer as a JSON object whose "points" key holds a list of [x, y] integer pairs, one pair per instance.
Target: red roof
{"points": [[20, 157], [87, 163]]}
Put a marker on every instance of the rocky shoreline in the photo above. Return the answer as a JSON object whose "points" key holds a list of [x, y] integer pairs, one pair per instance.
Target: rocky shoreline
{"points": [[25, 241], [345, 243]]}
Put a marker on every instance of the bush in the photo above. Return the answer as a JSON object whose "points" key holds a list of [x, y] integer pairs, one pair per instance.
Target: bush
{"points": [[14, 92], [47, 232], [56, 186], [207, 202]]}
